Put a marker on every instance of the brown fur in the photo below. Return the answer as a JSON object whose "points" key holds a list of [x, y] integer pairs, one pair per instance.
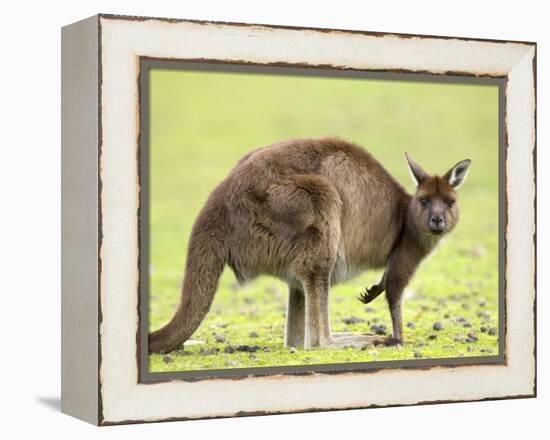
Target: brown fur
{"points": [[312, 212]]}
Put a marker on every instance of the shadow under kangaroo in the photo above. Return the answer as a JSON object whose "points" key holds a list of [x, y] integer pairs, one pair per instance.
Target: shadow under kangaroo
{"points": [[313, 212]]}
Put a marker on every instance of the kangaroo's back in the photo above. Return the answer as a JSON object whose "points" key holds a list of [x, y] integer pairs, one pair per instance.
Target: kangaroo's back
{"points": [[372, 202]]}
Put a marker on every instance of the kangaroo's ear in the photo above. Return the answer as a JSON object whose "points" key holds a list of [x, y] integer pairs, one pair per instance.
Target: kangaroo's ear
{"points": [[457, 174], [417, 173]]}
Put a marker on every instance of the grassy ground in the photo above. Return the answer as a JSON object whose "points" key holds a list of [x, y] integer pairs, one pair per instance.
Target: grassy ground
{"points": [[202, 123]]}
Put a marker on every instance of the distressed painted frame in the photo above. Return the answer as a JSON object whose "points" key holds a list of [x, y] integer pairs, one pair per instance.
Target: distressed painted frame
{"points": [[101, 65]]}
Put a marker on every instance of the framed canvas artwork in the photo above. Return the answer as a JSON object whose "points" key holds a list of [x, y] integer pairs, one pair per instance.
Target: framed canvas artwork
{"points": [[267, 219]]}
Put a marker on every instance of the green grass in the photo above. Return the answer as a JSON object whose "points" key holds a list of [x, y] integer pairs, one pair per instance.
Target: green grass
{"points": [[202, 123]]}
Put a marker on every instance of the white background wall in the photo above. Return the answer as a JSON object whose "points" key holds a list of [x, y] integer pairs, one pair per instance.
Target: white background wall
{"points": [[30, 216]]}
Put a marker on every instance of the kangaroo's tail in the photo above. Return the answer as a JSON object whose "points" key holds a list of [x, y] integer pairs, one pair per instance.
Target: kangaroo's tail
{"points": [[206, 258]]}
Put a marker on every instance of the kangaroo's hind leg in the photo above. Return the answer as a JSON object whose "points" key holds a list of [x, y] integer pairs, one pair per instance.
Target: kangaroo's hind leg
{"points": [[305, 213], [295, 318], [317, 322], [309, 207]]}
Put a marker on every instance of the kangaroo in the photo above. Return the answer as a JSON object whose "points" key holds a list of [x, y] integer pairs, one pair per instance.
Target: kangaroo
{"points": [[313, 212]]}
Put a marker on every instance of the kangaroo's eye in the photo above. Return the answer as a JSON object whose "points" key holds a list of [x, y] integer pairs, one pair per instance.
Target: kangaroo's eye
{"points": [[449, 202], [424, 201]]}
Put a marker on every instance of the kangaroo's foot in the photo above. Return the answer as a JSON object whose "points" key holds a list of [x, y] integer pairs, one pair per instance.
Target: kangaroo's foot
{"points": [[361, 340], [356, 340]]}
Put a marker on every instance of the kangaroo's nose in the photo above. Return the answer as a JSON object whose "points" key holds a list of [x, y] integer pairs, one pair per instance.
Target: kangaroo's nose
{"points": [[437, 223]]}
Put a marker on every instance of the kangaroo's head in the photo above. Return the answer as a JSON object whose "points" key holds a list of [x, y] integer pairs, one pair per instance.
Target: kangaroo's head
{"points": [[434, 209]]}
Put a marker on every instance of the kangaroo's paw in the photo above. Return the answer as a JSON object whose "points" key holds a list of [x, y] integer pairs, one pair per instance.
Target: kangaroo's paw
{"points": [[370, 294]]}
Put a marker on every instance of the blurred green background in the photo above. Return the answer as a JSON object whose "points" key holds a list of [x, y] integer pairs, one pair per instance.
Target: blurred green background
{"points": [[201, 123]]}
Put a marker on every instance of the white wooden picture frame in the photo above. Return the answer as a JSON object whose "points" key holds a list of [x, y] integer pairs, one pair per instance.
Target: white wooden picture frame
{"points": [[102, 350]]}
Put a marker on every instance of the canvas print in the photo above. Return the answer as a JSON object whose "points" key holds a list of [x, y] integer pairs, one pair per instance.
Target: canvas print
{"points": [[310, 220]]}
